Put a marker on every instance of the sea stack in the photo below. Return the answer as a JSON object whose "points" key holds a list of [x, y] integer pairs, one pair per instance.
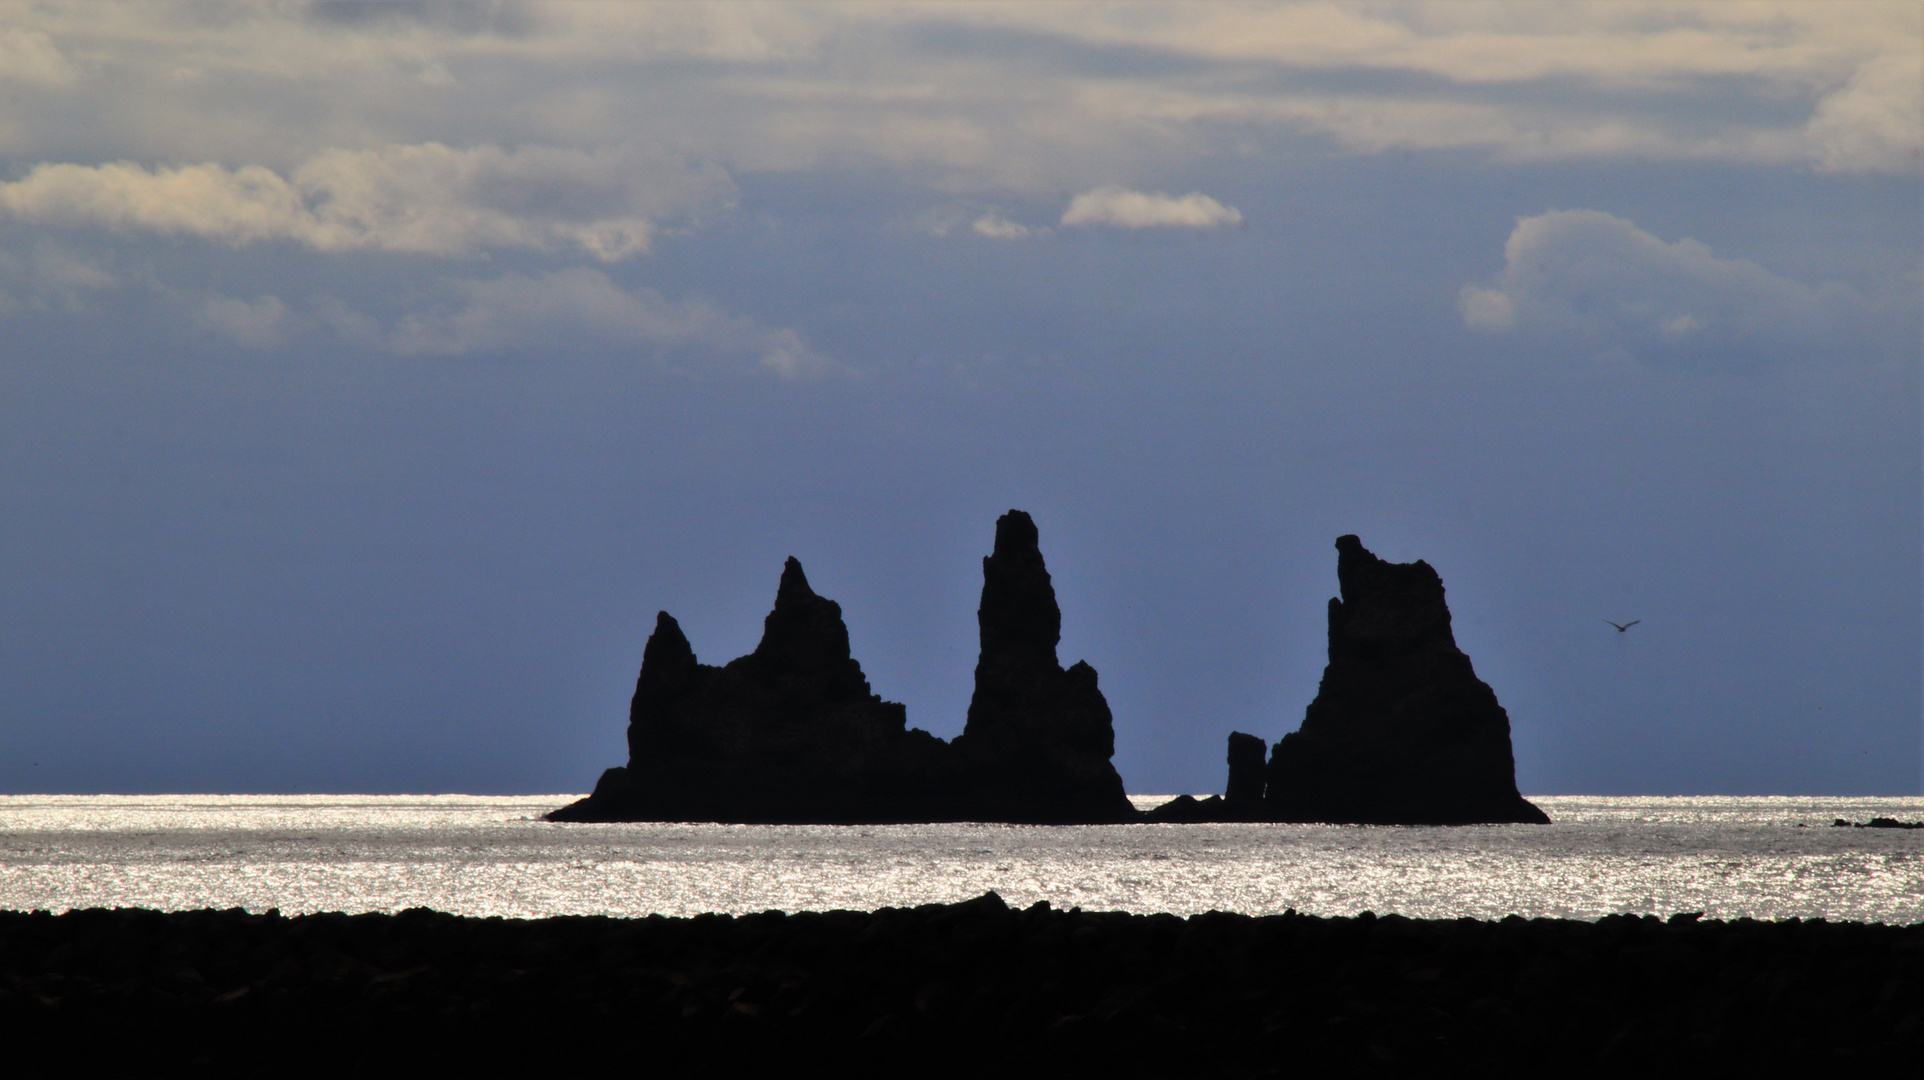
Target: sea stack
{"points": [[1243, 797], [1039, 739], [1242, 800], [789, 733], [1402, 731], [792, 733]]}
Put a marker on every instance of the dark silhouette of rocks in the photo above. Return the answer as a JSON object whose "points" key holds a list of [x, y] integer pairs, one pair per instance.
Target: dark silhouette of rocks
{"points": [[965, 990], [1039, 739], [1244, 794], [1241, 801], [1877, 823], [1189, 810], [1401, 730], [792, 733], [789, 733]]}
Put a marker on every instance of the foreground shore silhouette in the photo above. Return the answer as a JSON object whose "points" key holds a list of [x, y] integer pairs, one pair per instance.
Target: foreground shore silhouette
{"points": [[967, 989]]}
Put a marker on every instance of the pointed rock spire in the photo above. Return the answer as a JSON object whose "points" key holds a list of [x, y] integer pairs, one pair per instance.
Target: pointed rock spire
{"points": [[1038, 739], [804, 644], [1401, 731], [1019, 620], [793, 588]]}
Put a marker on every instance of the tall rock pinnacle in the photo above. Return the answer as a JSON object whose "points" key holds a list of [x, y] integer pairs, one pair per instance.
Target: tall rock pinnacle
{"points": [[1401, 731], [1038, 740]]}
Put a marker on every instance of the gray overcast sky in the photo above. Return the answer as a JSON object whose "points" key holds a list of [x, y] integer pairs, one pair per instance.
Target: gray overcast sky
{"points": [[374, 372]]}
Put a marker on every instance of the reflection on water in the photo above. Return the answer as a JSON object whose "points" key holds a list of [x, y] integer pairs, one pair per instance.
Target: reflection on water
{"points": [[1729, 857]]}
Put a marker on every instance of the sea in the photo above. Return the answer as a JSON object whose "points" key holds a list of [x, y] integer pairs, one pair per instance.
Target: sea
{"points": [[1764, 858]]}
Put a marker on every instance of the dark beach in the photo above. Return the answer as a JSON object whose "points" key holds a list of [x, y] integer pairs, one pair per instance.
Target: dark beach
{"points": [[970, 989]]}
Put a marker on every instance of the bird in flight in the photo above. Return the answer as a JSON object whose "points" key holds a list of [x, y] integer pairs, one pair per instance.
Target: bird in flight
{"points": [[1622, 626]]}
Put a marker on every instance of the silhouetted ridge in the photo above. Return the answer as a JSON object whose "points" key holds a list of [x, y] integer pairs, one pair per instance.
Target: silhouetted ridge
{"points": [[953, 991]]}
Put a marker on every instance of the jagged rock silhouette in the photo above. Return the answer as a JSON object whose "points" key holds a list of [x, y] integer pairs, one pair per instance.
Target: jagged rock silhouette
{"points": [[789, 733], [792, 733], [1401, 731], [1039, 739]]}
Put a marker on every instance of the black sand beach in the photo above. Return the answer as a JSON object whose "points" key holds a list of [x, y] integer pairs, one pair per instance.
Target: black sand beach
{"points": [[969, 989]]}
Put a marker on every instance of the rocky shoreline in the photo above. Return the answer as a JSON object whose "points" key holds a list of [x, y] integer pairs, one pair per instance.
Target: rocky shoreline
{"points": [[968, 989]]}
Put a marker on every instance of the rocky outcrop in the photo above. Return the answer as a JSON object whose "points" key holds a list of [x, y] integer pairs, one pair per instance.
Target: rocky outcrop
{"points": [[1244, 794], [792, 733], [1401, 731], [1039, 739], [789, 733], [1876, 823], [1241, 801], [1188, 810]]}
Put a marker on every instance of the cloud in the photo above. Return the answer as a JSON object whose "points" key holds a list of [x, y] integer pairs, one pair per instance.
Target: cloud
{"points": [[1876, 122], [1600, 278], [261, 323], [30, 57], [1654, 80], [424, 199], [1126, 209], [52, 277], [976, 97], [996, 227], [524, 311]]}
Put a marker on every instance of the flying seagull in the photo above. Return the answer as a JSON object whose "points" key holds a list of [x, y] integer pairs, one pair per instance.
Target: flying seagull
{"points": [[1621, 627]]}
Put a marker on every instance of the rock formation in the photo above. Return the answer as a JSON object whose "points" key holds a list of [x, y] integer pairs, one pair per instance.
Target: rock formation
{"points": [[1876, 823], [1242, 800], [1244, 794], [788, 733], [1039, 739], [1401, 731], [792, 733]]}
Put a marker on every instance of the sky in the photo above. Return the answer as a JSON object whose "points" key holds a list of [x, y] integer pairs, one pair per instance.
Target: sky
{"points": [[373, 373]]}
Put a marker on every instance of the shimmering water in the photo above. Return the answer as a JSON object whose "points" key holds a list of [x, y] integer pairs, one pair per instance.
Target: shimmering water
{"points": [[1728, 857]]}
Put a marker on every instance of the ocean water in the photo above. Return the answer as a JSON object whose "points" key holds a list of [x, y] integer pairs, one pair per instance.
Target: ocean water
{"points": [[1727, 857]]}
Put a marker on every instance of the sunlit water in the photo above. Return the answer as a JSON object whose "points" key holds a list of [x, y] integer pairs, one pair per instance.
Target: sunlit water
{"points": [[1728, 857]]}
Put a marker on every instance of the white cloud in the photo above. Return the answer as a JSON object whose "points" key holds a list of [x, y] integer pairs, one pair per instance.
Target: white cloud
{"points": [[427, 199], [996, 227], [522, 311], [1126, 209], [1604, 280]]}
